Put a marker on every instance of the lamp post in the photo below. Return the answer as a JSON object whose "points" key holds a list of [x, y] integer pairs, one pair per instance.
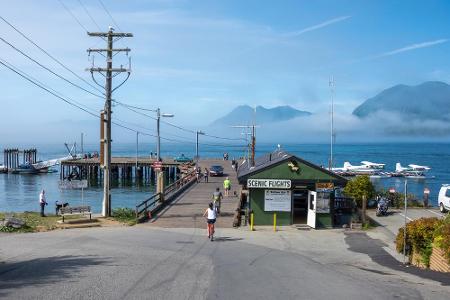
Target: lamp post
{"points": [[158, 141], [404, 232], [196, 145]]}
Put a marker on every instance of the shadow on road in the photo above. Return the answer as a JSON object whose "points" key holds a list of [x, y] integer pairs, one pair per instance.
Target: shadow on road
{"points": [[38, 271], [360, 242], [226, 239]]}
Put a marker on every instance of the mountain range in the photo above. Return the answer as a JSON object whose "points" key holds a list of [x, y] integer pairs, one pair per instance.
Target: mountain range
{"points": [[245, 114], [427, 101]]}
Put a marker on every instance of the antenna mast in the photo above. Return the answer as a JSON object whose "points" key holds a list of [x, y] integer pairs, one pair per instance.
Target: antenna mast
{"points": [[331, 84]]}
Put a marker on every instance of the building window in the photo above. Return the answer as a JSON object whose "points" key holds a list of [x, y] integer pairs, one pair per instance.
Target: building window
{"points": [[323, 202]]}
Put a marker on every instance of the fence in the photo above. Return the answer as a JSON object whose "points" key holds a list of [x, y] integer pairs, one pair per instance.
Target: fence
{"points": [[151, 206]]}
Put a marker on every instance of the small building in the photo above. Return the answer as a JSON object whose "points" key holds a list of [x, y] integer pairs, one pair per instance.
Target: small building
{"points": [[299, 192]]}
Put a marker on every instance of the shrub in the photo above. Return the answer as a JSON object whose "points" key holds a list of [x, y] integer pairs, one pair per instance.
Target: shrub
{"points": [[125, 215], [359, 187], [442, 237], [419, 237]]}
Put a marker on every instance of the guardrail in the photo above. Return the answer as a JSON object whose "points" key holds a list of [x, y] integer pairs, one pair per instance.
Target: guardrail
{"points": [[144, 206], [152, 205]]}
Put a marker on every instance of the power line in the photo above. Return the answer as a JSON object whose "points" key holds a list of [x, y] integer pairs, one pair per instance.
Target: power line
{"points": [[48, 69], [106, 10], [40, 85], [73, 16], [49, 55], [89, 15]]}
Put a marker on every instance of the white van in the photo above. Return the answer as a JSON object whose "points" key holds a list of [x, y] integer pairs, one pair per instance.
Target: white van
{"points": [[444, 198]]}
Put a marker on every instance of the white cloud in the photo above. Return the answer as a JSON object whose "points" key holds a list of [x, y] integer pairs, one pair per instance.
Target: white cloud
{"points": [[413, 47], [317, 26]]}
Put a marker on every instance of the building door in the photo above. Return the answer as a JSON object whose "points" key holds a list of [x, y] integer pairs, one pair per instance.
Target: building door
{"points": [[312, 197], [299, 206]]}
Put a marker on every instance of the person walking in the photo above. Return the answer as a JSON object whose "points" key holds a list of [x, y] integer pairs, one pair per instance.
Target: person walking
{"points": [[217, 200], [227, 186], [206, 174], [211, 216], [197, 173], [42, 202]]}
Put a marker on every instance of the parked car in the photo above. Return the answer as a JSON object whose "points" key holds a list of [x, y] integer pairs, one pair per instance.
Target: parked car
{"points": [[216, 171], [444, 198], [182, 158]]}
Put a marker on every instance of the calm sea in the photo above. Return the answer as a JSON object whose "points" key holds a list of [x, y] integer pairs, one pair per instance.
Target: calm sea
{"points": [[20, 192]]}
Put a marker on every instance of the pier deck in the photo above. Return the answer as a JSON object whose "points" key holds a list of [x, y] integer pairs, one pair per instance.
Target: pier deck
{"points": [[119, 161], [187, 210]]}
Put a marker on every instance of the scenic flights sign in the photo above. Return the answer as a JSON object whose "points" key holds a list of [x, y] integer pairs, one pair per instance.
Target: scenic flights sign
{"points": [[268, 184]]}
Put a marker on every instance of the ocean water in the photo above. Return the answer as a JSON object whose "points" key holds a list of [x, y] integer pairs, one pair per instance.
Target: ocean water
{"points": [[20, 192]]}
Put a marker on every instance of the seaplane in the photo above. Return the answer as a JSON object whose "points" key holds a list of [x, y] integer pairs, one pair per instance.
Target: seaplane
{"points": [[366, 167], [411, 171]]}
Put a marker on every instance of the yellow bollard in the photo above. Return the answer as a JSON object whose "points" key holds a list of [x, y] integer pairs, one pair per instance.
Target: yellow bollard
{"points": [[251, 222], [274, 221]]}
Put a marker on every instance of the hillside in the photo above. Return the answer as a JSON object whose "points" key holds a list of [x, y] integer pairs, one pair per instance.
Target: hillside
{"points": [[427, 101], [245, 114]]}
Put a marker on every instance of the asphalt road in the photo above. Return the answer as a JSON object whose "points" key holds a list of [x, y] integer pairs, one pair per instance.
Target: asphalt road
{"points": [[148, 263]]}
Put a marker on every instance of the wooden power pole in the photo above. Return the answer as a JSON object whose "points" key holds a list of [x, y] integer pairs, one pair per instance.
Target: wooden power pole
{"points": [[109, 72]]}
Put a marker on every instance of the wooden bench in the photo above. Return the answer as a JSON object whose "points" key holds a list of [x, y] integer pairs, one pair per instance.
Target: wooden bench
{"points": [[77, 210]]}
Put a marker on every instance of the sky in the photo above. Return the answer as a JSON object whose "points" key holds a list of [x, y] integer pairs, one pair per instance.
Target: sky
{"points": [[200, 59]]}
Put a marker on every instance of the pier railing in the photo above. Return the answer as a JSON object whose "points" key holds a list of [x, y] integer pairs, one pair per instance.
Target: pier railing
{"points": [[149, 207]]}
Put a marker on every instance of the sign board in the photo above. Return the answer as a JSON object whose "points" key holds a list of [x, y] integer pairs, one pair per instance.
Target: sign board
{"points": [[426, 191], [157, 165], [277, 200], [324, 186], [392, 190], [73, 184], [268, 183]]}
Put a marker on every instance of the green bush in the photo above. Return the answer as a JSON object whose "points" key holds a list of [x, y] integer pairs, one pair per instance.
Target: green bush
{"points": [[398, 199], [442, 237], [124, 215], [360, 187], [419, 237]]}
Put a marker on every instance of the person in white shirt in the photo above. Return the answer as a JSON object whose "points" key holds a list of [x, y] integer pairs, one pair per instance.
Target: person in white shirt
{"points": [[42, 202], [211, 215]]}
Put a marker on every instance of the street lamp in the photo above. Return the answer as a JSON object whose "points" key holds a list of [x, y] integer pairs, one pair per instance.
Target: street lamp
{"points": [[158, 141], [196, 147]]}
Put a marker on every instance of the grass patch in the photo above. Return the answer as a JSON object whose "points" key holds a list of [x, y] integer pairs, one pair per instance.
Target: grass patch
{"points": [[33, 222], [124, 215]]}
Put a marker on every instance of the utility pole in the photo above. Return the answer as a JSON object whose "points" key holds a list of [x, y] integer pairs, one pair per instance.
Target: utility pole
{"points": [[158, 139], [331, 83], [196, 145], [109, 72], [158, 135], [253, 140]]}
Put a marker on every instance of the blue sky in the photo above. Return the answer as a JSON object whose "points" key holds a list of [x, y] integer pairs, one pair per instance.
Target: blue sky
{"points": [[200, 59]]}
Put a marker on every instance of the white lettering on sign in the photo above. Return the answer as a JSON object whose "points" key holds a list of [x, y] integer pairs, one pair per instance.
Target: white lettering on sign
{"points": [[277, 200], [268, 184]]}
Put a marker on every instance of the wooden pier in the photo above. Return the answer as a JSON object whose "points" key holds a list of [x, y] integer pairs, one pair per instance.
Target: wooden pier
{"points": [[186, 210], [121, 168], [12, 161]]}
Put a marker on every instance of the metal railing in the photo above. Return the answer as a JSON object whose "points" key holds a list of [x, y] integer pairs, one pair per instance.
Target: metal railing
{"points": [[147, 207], [144, 206], [175, 186]]}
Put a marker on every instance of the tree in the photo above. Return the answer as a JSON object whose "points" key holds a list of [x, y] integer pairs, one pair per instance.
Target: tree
{"points": [[358, 188]]}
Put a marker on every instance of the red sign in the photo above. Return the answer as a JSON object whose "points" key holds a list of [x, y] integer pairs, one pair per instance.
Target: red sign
{"points": [[391, 190], [157, 164]]}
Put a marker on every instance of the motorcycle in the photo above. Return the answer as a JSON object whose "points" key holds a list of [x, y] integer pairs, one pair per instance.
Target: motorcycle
{"points": [[382, 206]]}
